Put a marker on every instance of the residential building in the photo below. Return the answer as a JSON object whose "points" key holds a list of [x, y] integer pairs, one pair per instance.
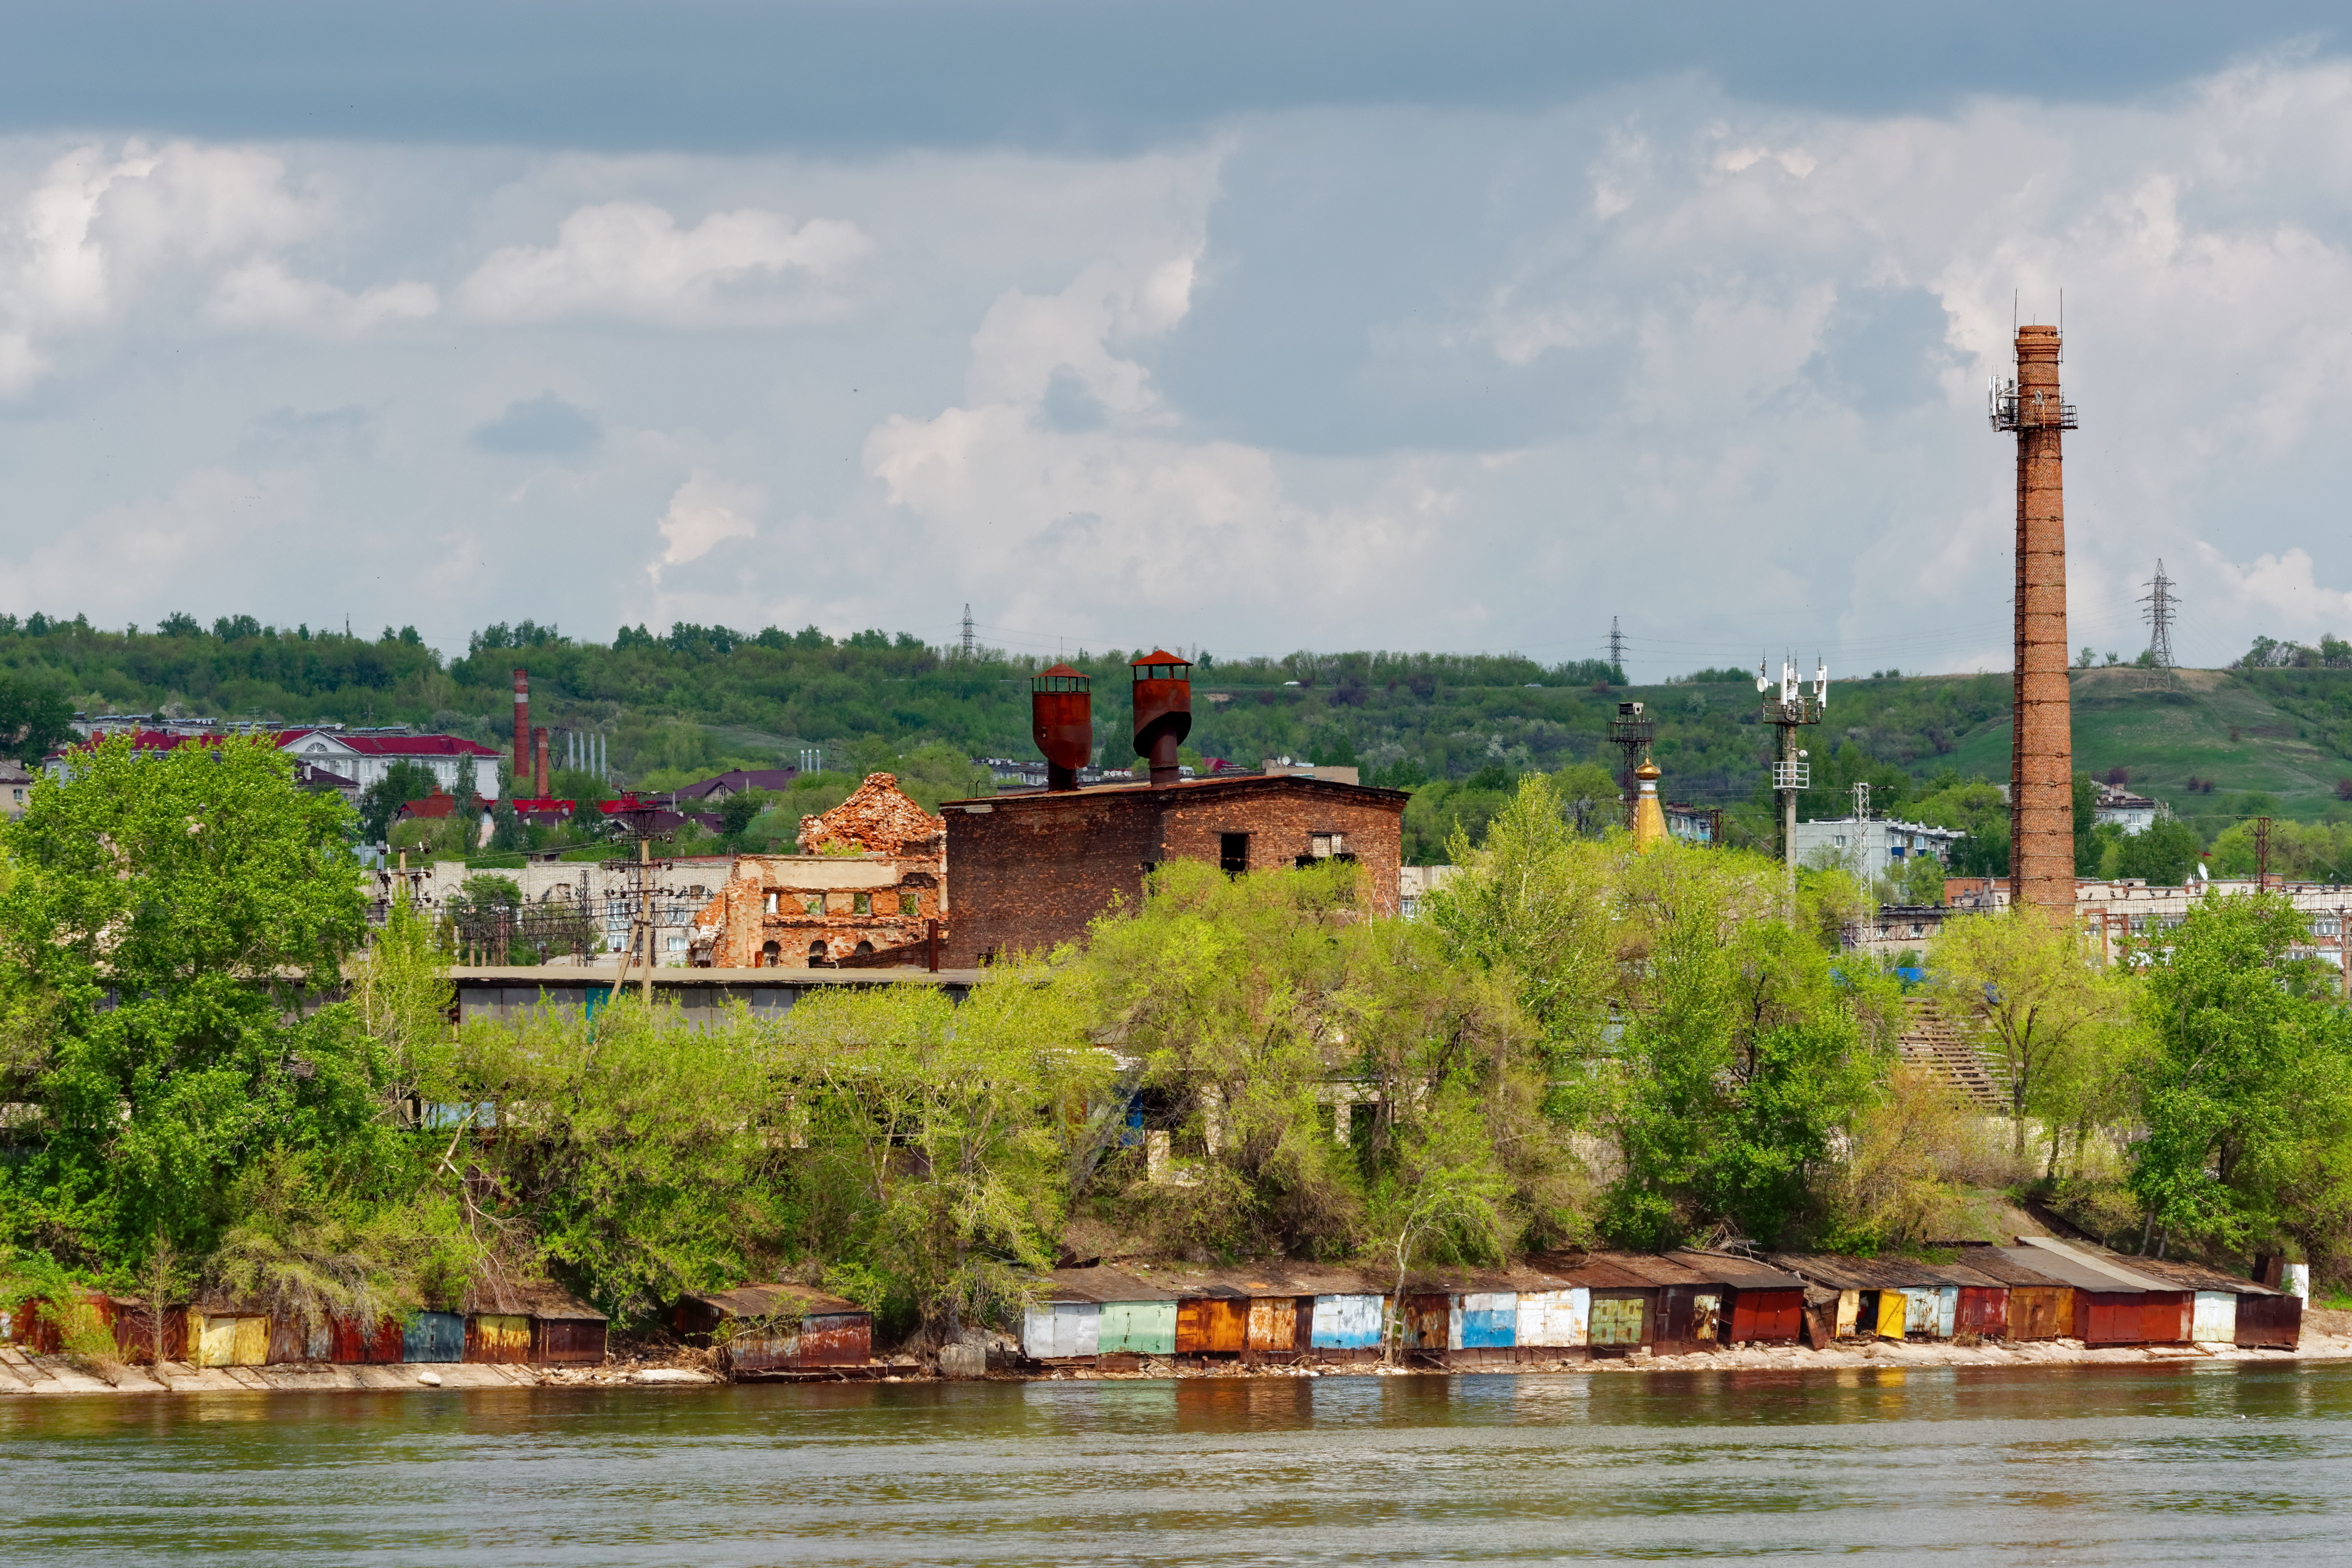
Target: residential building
{"points": [[1873, 847], [16, 788], [712, 791], [356, 757], [2132, 812]]}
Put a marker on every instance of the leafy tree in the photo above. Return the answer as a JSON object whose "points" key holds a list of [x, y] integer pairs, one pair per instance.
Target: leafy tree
{"points": [[33, 721], [938, 1136], [1742, 1052], [2038, 1005], [403, 782], [177, 912], [737, 810], [2164, 853], [2247, 1092]]}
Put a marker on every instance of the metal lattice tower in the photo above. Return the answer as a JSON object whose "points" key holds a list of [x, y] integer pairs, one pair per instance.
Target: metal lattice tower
{"points": [[1616, 646], [1631, 734], [1788, 707], [966, 631], [2163, 606]]}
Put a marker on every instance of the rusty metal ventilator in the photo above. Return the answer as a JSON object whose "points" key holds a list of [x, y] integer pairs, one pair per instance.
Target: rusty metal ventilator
{"points": [[1061, 721], [1163, 712]]}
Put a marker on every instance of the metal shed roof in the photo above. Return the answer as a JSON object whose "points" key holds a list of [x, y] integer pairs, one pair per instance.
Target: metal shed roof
{"points": [[2084, 1267], [2000, 1263], [2196, 1276], [1844, 1273], [764, 1301]]}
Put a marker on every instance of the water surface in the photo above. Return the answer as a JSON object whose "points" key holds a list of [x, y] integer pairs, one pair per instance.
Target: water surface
{"points": [[2244, 1463]]}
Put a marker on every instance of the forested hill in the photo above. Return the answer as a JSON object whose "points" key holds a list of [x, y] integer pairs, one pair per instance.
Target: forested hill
{"points": [[2211, 743]]}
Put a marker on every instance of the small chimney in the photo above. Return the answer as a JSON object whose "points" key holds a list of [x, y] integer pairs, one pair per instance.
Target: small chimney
{"points": [[521, 769], [539, 764], [1061, 722], [1163, 712]]}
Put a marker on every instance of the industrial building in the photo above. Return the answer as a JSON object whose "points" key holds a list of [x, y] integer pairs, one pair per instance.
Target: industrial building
{"points": [[1873, 847], [1033, 869]]}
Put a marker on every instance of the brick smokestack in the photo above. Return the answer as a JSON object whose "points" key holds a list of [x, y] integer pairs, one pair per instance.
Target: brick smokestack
{"points": [[1163, 712], [1062, 722], [521, 768], [539, 764], [2041, 750]]}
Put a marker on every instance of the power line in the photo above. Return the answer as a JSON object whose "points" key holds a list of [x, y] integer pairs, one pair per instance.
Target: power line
{"points": [[2162, 605]]}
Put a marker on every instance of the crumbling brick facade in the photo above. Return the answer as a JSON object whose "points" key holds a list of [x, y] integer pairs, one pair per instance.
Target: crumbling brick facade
{"points": [[1032, 871], [872, 876]]}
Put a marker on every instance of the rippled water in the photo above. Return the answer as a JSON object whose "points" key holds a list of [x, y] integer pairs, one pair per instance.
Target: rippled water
{"points": [[2161, 1464]]}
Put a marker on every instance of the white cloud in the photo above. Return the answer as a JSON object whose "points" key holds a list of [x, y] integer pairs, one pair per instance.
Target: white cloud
{"points": [[704, 513], [2282, 592], [1026, 338], [262, 293], [144, 558], [631, 260]]}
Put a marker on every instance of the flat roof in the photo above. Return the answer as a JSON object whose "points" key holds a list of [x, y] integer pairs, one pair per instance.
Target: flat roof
{"points": [[1214, 783]]}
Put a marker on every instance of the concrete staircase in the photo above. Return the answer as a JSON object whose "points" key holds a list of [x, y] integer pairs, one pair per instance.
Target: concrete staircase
{"points": [[1941, 1045]]}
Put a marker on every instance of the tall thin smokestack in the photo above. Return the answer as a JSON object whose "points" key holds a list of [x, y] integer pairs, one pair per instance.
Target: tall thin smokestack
{"points": [[522, 728], [1062, 722], [539, 768], [2041, 747], [1163, 712]]}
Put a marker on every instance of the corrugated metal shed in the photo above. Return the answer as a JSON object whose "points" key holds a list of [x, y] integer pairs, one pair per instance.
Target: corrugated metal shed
{"points": [[777, 1328], [433, 1336], [2227, 1310], [2039, 1306], [2114, 1304], [359, 1343]]}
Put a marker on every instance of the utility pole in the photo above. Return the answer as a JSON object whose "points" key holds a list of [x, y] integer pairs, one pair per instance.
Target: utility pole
{"points": [[1787, 710], [1616, 648], [966, 631], [2261, 854]]}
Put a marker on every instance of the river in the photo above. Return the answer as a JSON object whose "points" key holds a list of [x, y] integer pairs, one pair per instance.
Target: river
{"points": [[2247, 1463]]}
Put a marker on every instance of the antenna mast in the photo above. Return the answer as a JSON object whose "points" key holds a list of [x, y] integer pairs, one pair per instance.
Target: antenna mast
{"points": [[1788, 709]]}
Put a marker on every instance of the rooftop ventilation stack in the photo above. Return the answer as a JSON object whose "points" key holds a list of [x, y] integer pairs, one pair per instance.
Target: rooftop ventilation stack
{"points": [[1062, 722], [1163, 712]]}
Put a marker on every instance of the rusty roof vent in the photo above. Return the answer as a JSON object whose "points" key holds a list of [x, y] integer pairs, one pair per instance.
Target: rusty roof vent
{"points": [[1061, 722], [1163, 710]]}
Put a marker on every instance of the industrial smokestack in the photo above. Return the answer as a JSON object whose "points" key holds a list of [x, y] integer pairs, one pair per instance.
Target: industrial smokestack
{"points": [[2041, 748], [521, 769], [1163, 710], [539, 764], [1061, 722]]}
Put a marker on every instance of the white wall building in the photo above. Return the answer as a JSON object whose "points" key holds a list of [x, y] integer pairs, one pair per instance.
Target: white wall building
{"points": [[2132, 812], [1874, 846]]}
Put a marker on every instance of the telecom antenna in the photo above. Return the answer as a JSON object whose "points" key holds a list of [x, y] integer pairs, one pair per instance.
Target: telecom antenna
{"points": [[966, 631], [1616, 648], [1788, 708], [2163, 606]]}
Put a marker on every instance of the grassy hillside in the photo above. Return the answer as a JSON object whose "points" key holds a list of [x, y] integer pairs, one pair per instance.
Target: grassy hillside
{"points": [[2217, 746]]}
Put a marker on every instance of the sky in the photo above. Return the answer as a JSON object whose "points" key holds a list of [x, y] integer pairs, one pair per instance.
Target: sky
{"points": [[1242, 328]]}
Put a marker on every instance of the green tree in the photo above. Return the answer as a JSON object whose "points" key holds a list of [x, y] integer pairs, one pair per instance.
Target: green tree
{"points": [[2247, 1092], [179, 913], [403, 782], [938, 1136], [2164, 853], [32, 722], [2038, 1007], [1742, 1051]]}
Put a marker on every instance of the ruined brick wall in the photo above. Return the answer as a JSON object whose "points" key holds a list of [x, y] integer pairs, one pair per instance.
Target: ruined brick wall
{"points": [[880, 888], [1032, 871]]}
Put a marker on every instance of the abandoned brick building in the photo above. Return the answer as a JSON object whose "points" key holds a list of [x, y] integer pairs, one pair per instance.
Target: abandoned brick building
{"points": [[870, 878], [1033, 867]]}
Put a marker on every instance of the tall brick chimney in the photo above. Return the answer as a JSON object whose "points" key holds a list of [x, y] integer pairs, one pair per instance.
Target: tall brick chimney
{"points": [[521, 769], [539, 764], [2041, 748], [1163, 710], [1061, 722]]}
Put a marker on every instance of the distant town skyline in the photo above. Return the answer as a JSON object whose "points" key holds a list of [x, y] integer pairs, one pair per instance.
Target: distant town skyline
{"points": [[1320, 327]]}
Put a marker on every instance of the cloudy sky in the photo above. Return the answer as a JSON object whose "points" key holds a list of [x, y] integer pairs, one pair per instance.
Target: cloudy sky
{"points": [[1250, 327]]}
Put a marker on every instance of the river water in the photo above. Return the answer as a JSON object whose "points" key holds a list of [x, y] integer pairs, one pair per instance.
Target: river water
{"points": [[2242, 1463]]}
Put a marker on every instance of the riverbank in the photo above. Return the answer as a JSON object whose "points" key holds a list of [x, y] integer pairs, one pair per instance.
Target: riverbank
{"points": [[2326, 1336]]}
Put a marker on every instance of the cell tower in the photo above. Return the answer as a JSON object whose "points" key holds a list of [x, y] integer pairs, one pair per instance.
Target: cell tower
{"points": [[1631, 734], [1789, 710], [966, 631], [1616, 646], [2163, 605]]}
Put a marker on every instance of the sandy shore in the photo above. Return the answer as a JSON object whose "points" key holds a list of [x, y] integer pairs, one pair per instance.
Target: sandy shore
{"points": [[51, 1376]]}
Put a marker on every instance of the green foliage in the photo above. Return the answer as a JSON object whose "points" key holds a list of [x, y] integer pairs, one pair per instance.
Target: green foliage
{"points": [[174, 912], [2247, 1094], [32, 722], [403, 782]]}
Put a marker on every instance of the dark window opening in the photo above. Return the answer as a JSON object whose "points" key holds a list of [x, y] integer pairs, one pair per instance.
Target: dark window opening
{"points": [[770, 954], [864, 947], [1233, 853], [817, 955]]}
